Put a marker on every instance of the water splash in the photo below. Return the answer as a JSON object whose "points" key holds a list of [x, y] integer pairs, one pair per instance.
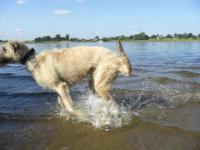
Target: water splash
{"points": [[100, 113]]}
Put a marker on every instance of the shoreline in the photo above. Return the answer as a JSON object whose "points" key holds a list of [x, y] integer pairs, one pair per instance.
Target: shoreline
{"points": [[131, 41], [136, 41], [111, 40]]}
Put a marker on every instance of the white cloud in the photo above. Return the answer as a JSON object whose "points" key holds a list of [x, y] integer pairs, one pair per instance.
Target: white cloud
{"points": [[21, 1], [19, 31], [62, 12]]}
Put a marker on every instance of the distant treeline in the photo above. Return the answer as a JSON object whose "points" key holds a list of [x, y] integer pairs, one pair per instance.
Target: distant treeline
{"points": [[58, 37], [143, 36], [140, 36], [3, 40]]}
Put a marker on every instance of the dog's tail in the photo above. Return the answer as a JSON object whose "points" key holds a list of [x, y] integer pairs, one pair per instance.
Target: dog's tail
{"points": [[125, 65]]}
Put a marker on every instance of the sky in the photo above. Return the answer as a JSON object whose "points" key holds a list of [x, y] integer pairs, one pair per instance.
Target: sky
{"points": [[27, 19]]}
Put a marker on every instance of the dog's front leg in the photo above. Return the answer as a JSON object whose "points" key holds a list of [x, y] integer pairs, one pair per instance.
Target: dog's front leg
{"points": [[65, 99], [60, 103]]}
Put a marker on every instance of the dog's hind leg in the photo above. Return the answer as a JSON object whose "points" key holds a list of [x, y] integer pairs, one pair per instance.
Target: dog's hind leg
{"points": [[104, 76], [91, 80], [91, 84]]}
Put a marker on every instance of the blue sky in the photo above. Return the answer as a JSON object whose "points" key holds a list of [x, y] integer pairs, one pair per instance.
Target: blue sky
{"points": [[27, 19]]}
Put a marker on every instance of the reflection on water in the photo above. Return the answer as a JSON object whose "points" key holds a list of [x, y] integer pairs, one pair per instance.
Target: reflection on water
{"points": [[159, 104]]}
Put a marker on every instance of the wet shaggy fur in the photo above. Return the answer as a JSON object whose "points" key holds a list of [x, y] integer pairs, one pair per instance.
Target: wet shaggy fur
{"points": [[61, 68]]}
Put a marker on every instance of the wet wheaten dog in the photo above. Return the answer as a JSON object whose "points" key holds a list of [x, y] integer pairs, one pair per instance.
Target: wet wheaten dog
{"points": [[61, 68]]}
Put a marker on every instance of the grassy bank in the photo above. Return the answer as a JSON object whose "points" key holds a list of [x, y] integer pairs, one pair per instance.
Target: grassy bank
{"points": [[160, 40], [126, 40], [150, 40]]}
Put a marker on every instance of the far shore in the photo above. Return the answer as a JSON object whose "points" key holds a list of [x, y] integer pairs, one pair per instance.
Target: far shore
{"points": [[150, 40], [127, 40]]}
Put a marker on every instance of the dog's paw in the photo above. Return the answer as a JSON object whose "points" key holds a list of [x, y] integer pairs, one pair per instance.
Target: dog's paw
{"points": [[79, 114]]}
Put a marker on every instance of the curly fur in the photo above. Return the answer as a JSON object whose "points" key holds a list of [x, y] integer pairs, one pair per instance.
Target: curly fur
{"points": [[61, 68]]}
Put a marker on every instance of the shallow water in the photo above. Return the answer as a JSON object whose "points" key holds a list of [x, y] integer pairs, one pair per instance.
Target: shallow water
{"points": [[159, 104]]}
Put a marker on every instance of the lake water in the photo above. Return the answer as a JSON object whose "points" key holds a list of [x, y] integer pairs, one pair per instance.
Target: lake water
{"points": [[159, 104]]}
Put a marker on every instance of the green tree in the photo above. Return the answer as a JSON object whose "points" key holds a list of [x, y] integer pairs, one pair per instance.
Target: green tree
{"points": [[175, 35], [105, 39], [169, 36], [194, 37], [57, 37], [154, 36], [190, 35], [74, 39], [122, 37], [184, 35], [38, 39], [141, 36], [46, 38], [67, 37], [180, 36], [97, 38]]}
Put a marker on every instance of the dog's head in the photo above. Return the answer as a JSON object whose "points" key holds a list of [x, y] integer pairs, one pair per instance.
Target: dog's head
{"points": [[12, 52]]}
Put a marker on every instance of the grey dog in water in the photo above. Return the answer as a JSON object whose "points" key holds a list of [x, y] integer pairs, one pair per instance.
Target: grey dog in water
{"points": [[61, 68]]}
